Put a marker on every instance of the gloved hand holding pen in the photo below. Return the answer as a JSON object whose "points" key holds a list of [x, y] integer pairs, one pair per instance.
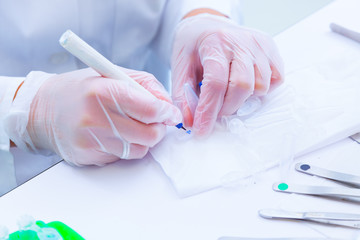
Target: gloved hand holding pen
{"points": [[232, 62], [89, 119]]}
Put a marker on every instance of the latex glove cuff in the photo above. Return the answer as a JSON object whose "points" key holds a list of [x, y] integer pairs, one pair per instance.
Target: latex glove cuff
{"points": [[16, 120]]}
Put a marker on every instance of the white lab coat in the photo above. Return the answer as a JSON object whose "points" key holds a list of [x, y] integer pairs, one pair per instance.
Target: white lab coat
{"points": [[136, 34]]}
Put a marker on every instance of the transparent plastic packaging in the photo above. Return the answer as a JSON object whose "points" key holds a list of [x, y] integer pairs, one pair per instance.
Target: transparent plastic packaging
{"points": [[310, 110]]}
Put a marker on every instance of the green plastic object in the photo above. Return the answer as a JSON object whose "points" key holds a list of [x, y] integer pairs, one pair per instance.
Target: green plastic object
{"points": [[41, 231], [24, 235], [65, 231]]}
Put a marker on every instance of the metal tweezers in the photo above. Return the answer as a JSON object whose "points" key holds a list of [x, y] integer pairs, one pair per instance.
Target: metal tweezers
{"points": [[351, 194], [283, 238], [342, 219], [352, 180], [345, 32], [346, 193]]}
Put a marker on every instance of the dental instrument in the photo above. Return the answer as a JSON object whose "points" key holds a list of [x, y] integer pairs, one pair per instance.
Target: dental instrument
{"points": [[285, 238], [336, 192], [341, 219], [329, 174], [345, 32]]}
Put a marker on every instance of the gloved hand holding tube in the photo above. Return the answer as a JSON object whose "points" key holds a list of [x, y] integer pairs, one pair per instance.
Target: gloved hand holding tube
{"points": [[232, 62]]}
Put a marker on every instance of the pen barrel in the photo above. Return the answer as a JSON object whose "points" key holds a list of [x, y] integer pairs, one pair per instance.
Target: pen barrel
{"points": [[92, 58]]}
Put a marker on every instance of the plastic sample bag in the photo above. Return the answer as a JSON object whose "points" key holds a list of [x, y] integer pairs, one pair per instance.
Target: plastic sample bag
{"points": [[312, 109]]}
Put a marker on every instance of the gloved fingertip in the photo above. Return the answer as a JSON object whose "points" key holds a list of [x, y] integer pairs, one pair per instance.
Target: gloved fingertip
{"points": [[202, 131], [188, 117], [175, 118]]}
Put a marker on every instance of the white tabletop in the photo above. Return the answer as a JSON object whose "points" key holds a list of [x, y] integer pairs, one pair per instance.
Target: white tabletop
{"points": [[135, 200]]}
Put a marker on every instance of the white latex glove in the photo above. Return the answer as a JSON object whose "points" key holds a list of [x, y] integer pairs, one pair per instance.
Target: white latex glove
{"points": [[232, 62], [88, 119]]}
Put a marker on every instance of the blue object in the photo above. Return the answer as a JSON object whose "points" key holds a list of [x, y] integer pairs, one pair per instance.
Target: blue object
{"points": [[181, 126], [200, 84], [305, 167]]}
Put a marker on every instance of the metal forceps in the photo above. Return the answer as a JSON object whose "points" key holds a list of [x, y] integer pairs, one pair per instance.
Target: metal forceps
{"points": [[335, 218]]}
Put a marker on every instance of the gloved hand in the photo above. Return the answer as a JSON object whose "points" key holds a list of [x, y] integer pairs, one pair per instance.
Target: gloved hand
{"points": [[232, 62], [88, 119]]}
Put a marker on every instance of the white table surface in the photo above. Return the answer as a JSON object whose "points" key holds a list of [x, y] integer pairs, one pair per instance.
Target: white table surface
{"points": [[135, 200]]}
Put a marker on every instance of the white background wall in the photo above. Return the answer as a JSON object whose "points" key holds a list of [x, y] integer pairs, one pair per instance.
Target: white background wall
{"points": [[274, 16]]}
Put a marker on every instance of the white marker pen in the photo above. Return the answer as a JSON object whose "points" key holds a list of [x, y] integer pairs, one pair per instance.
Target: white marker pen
{"points": [[92, 58]]}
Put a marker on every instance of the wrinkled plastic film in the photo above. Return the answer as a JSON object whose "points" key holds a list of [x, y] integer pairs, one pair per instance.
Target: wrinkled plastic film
{"points": [[312, 109], [251, 105], [286, 156]]}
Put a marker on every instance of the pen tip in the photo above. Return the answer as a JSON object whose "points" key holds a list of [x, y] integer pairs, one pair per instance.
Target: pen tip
{"points": [[180, 126]]}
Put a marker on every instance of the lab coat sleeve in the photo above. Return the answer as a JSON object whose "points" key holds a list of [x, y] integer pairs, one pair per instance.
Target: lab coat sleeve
{"points": [[175, 10], [230, 8], [8, 87], [16, 118]]}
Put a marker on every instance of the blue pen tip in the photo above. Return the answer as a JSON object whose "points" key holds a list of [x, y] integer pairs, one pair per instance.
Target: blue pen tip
{"points": [[181, 126]]}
